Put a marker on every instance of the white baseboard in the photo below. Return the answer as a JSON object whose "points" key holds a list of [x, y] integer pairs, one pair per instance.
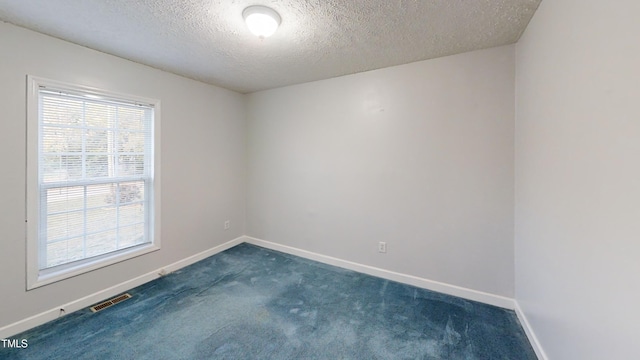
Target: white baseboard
{"points": [[533, 339], [52, 314], [496, 300], [491, 299]]}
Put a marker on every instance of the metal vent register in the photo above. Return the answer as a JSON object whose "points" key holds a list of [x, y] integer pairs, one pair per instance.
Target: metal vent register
{"points": [[105, 304]]}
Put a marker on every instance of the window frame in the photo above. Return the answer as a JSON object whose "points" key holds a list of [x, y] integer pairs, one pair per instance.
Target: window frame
{"points": [[37, 277]]}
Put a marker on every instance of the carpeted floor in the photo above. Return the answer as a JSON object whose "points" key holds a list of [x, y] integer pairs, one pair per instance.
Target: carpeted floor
{"points": [[253, 303]]}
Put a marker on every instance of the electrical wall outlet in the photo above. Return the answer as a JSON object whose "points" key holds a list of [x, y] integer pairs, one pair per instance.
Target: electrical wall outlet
{"points": [[382, 247], [227, 225]]}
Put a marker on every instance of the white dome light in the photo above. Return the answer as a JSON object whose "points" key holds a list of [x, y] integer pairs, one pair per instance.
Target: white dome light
{"points": [[261, 20]]}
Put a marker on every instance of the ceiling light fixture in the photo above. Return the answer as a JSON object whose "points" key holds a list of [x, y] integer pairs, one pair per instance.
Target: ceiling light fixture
{"points": [[261, 20]]}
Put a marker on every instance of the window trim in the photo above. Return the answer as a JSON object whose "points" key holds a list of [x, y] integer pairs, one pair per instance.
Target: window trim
{"points": [[36, 277]]}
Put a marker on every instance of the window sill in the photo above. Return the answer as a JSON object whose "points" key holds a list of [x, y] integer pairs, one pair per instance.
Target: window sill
{"points": [[55, 274]]}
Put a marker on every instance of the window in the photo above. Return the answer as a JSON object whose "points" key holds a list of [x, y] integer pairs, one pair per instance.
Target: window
{"points": [[92, 189]]}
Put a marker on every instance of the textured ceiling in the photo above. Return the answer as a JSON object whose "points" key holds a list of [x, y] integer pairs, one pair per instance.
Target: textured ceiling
{"points": [[207, 40]]}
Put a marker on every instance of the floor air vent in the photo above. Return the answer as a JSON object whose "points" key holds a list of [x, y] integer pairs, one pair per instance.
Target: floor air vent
{"points": [[111, 302]]}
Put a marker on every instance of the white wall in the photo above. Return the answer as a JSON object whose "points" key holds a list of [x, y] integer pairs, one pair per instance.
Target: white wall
{"points": [[203, 163], [578, 178], [419, 156]]}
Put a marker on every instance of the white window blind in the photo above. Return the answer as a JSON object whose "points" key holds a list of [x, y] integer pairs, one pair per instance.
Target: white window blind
{"points": [[95, 175]]}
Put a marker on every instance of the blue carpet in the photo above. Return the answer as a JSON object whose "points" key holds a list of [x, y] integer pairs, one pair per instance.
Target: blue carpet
{"points": [[253, 303]]}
